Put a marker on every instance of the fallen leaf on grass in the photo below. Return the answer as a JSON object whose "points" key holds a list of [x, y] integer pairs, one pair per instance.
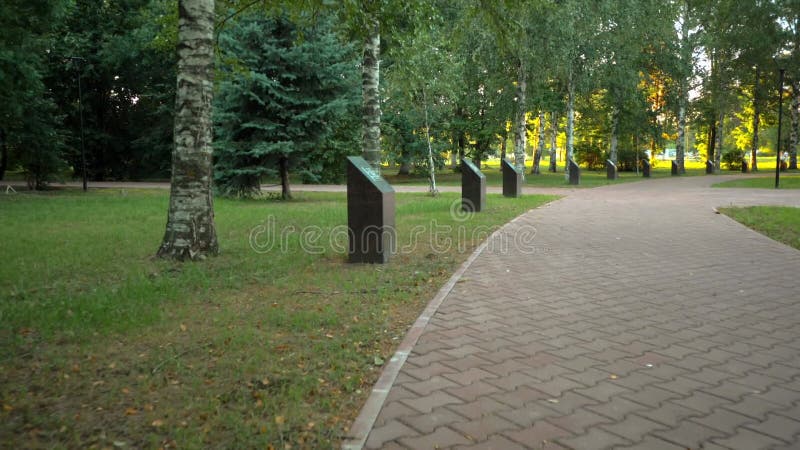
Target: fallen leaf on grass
{"points": [[183, 327], [131, 412], [157, 423], [378, 361], [280, 420]]}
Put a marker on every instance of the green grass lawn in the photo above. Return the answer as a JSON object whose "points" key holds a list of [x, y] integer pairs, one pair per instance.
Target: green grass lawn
{"points": [[102, 345], [777, 222], [788, 180]]}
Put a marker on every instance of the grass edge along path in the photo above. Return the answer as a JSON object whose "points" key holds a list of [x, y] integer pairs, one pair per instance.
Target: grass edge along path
{"points": [[780, 223], [787, 181], [103, 345]]}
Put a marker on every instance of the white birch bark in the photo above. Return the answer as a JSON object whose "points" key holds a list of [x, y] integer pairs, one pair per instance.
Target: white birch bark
{"points": [[794, 134], [520, 125], [718, 152], [371, 110], [612, 153], [570, 126], [190, 232], [553, 137]]}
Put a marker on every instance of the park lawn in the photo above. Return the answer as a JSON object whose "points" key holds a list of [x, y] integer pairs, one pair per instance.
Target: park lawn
{"points": [[781, 223], [103, 346], [787, 180]]}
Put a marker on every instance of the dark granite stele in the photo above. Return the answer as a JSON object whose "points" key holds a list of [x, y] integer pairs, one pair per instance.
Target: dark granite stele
{"points": [[370, 214], [745, 167], [574, 172], [473, 187], [675, 168], [512, 179], [645, 168], [611, 170], [709, 167]]}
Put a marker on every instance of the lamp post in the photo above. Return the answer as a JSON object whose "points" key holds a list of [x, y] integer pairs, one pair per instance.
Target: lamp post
{"points": [[780, 120]]}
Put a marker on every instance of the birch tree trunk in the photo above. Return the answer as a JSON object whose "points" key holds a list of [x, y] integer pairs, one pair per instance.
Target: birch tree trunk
{"points": [[570, 126], [520, 127], [190, 232], [540, 150], [718, 151], [553, 137], [614, 135], [680, 144], [431, 168], [756, 113], [371, 110], [794, 134]]}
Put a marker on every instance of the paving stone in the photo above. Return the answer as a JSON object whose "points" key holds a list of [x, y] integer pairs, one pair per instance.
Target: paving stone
{"points": [[778, 427], [539, 435], [595, 439], [745, 439], [441, 438], [427, 404], [494, 443], [689, 434], [482, 406], [653, 443], [723, 420], [481, 429], [617, 408], [427, 423], [379, 436], [669, 414], [579, 421]]}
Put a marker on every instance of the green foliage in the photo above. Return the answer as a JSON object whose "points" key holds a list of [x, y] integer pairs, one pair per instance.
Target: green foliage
{"points": [[732, 159], [282, 97], [590, 154]]}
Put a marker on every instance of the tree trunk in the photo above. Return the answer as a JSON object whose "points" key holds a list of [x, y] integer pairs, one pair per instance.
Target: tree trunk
{"points": [[503, 141], [756, 112], [614, 132], [286, 190], [540, 150], [3, 154], [405, 167], [712, 140], [553, 137], [718, 152], [520, 125], [794, 134], [190, 232], [371, 112], [570, 126], [431, 168], [680, 144]]}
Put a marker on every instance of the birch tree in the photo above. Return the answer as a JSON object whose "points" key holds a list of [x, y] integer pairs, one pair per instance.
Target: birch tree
{"points": [[190, 232]]}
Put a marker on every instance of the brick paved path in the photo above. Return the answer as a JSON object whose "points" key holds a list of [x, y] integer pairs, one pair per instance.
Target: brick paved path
{"points": [[639, 319]]}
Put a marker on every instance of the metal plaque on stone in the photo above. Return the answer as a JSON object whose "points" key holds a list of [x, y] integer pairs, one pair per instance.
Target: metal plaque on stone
{"points": [[574, 172], [611, 170], [370, 213], [512, 179], [473, 187]]}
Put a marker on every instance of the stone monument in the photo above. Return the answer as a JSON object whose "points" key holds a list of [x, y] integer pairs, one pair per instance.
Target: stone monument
{"points": [[473, 187], [370, 213], [512, 179], [675, 168], [611, 170], [745, 167], [709, 167], [574, 172], [645, 168]]}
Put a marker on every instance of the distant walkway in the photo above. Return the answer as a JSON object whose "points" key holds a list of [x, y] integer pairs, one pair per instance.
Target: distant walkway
{"points": [[641, 319], [295, 187]]}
